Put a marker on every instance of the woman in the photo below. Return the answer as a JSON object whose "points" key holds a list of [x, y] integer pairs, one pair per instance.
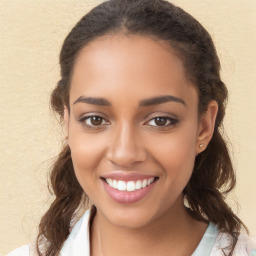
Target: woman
{"points": [[142, 104]]}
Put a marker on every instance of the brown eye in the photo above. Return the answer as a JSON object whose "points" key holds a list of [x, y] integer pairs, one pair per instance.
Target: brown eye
{"points": [[161, 121], [96, 120], [93, 121]]}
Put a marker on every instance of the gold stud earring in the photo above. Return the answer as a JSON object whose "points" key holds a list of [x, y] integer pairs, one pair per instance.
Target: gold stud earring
{"points": [[201, 145]]}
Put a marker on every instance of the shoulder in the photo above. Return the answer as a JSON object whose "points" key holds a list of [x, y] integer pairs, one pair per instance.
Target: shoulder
{"points": [[76, 244], [21, 251], [246, 245]]}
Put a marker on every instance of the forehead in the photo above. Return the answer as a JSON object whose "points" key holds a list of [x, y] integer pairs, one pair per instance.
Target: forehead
{"points": [[131, 65]]}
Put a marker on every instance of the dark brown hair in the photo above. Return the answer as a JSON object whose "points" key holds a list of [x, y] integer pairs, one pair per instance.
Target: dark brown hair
{"points": [[213, 175]]}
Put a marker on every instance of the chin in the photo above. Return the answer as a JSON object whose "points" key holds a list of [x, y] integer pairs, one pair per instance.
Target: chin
{"points": [[130, 217]]}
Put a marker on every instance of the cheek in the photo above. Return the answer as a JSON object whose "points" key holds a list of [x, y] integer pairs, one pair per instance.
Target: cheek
{"points": [[176, 155], [86, 147], [87, 151]]}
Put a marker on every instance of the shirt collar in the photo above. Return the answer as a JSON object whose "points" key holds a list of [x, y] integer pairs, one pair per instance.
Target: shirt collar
{"points": [[78, 242]]}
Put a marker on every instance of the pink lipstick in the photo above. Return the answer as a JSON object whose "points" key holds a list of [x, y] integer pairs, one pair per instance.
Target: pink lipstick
{"points": [[128, 188]]}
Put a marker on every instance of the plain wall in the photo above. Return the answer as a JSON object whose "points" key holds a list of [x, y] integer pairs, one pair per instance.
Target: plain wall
{"points": [[31, 35]]}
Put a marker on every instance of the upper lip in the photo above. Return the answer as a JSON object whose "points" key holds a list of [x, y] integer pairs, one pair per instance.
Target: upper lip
{"points": [[127, 176]]}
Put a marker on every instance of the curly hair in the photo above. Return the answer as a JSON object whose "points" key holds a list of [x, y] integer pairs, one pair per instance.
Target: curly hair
{"points": [[213, 176]]}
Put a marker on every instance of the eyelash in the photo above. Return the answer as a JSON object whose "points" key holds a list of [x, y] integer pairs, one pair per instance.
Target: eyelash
{"points": [[90, 126], [170, 122]]}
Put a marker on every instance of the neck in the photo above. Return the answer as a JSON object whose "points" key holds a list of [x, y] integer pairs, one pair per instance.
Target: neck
{"points": [[160, 237]]}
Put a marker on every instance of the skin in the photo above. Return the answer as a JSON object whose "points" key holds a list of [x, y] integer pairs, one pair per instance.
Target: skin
{"points": [[125, 70]]}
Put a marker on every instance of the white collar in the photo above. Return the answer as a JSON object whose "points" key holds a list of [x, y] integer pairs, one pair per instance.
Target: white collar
{"points": [[207, 242], [78, 243]]}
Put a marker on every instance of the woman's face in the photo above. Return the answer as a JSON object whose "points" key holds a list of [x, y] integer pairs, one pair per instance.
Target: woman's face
{"points": [[133, 128]]}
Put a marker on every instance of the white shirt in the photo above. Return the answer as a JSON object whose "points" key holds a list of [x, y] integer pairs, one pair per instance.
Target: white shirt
{"points": [[211, 244]]}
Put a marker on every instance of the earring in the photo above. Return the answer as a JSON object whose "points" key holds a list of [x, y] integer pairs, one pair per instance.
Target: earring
{"points": [[201, 145]]}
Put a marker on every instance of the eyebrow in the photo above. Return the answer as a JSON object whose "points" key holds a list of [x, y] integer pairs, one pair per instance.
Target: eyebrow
{"points": [[161, 99], [93, 101], [143, 103]]}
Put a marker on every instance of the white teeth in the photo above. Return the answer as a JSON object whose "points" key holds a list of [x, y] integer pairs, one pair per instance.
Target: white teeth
{"points": [[144, 183], [115, 184], [138, 184], [121, 185], [129, 185], [109, 181]]}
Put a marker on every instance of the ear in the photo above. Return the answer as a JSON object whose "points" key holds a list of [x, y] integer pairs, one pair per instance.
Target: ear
{"points": [[66, 122], [206, 126]]}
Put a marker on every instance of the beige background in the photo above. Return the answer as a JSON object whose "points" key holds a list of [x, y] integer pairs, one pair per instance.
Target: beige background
{"points": [[31, 35]]}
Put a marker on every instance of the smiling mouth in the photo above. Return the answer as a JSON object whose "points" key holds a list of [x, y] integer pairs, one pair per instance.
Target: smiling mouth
{"points": [[129, 186]]}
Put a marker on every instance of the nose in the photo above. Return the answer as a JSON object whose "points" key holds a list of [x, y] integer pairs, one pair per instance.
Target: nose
{"points": [[126, 148]]}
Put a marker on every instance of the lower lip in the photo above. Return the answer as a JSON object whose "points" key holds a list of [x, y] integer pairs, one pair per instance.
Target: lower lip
{"points": [[125, 197]]}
